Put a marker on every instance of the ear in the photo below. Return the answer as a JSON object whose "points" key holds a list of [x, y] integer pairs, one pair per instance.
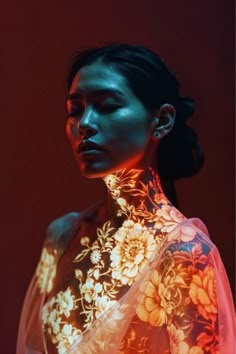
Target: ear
{"points": [[163, 121]]}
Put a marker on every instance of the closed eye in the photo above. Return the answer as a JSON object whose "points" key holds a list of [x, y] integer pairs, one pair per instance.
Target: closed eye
{"points": [[107, 108], [101, 107]]}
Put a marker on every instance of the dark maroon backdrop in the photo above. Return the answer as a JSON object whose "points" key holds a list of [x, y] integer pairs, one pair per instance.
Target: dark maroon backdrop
{"points": [[39, 179]]}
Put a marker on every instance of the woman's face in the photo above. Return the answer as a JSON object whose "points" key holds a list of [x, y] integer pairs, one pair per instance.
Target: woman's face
{"points": [[108, 127]]}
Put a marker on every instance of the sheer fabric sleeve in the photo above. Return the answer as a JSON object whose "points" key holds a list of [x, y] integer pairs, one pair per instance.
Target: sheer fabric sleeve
{"points": [[185, 306], [31, 338], [201, 316]]}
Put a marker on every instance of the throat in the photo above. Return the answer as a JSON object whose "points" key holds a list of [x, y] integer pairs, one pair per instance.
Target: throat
{"points": [[135, 194]]}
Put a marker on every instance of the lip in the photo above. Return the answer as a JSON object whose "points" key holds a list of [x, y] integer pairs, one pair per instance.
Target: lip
{"points": [[88, 147], [90, 153]]}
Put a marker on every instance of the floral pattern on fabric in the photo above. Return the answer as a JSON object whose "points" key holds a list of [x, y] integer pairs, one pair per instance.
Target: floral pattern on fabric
{"points": [[203, 293], [134, 246], [62, 333], [180, 296], [148, 285], [46, 271]]}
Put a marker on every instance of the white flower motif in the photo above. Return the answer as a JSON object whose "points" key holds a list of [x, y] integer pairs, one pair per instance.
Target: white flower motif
{"points": [[113, 184], [168, 218], [170, 221], [182, 233], [67, 337], [95, 256], [91, 290], [54, 322], [46, 271], [135, 244], [47, 308], [102, 304], [66, 302]]}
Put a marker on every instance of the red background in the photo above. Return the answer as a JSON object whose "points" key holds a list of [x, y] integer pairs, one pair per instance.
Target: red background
{"points": [[39, 178]]}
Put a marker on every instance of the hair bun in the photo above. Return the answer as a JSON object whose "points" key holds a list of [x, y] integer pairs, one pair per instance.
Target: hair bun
{"points": [[185, 109]]}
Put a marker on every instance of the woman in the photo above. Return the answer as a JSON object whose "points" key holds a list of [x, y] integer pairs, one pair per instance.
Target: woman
{"points": [[130, 274]]}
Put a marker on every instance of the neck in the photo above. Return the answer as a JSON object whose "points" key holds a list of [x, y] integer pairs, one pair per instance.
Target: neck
{"points": [[135, 194]]}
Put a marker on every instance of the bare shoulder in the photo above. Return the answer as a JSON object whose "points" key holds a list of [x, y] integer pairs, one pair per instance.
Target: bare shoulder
{"points": [[62, 228], [62, 225]]}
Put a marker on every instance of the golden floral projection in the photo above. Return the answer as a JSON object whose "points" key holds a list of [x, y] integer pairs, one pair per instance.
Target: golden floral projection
{"points": [[177, 296]]}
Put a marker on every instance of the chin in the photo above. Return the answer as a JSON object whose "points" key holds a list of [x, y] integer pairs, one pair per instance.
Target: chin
{"points": [[99, 169], [92, 171]]}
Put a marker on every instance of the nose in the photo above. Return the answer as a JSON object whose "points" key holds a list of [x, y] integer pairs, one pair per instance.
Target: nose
{"points": [[86, 125], [86, 131]]}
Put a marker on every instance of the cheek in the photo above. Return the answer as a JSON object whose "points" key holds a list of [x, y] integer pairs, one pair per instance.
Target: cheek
{"points": [[134, 125], [133, 136]]}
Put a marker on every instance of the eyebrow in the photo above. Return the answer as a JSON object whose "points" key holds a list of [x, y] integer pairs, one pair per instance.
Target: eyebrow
{"points": [[110, 91]]}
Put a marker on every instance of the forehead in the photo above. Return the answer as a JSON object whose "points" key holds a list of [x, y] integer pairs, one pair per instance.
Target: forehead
{"points": [[96, 77]]}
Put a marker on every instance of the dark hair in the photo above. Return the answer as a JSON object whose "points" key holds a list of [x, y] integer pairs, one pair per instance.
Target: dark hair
{"points": [[179, 153]]}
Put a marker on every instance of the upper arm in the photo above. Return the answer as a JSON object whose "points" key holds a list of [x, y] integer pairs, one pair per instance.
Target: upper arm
{"points": [[61, 226], [182, 306], [190, 295]]}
